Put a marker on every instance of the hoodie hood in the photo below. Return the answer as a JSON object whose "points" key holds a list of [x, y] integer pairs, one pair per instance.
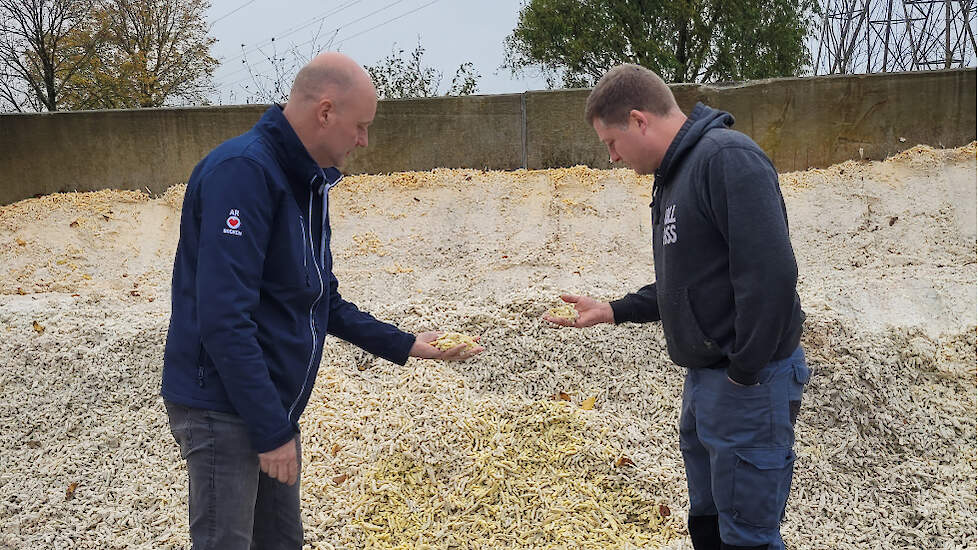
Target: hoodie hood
{"points": [[700, 121]]}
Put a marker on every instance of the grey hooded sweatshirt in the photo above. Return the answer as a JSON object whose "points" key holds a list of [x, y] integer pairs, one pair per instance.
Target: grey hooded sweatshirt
{"points": [[724, 267]]}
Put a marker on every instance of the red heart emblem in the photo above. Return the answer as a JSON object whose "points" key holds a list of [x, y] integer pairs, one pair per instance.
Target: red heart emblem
{"points": [[233, 222]]}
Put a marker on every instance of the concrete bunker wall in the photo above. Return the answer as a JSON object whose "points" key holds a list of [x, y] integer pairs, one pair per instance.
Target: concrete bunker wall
{"points": [[800, 122]]}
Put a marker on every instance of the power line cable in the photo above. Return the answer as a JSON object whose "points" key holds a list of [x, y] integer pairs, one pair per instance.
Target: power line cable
{"points": [[340, 41], [289, 32], [335, 31], [230, 13], [345, 38]]}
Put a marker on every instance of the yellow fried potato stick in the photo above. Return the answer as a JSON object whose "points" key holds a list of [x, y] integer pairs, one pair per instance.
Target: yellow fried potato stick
{"points": [[565, 311], [451, 339]]}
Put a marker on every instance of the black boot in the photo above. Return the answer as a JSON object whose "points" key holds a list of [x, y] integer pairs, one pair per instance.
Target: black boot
{"points": [[725, 546], [705, 532]]}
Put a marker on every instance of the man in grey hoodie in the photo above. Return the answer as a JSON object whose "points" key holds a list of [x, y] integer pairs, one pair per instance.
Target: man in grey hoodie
{"points": [[725, 293]]}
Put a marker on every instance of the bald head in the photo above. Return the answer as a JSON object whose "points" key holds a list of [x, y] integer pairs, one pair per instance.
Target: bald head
{"points": [[332, 103], [330, 74]]}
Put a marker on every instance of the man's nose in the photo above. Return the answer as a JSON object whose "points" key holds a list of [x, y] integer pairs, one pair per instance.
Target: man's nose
{"points": [[362, 142]]}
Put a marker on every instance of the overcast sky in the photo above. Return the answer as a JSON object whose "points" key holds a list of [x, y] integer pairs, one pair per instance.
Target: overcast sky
{"points": [[451, 31]]}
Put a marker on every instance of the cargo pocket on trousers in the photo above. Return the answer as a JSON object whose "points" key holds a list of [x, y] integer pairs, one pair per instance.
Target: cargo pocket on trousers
{"points": [[761, 481], [803, 375]]}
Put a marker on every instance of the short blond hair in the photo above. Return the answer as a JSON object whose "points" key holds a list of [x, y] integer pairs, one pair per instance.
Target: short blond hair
{"points": [[624, 88]]}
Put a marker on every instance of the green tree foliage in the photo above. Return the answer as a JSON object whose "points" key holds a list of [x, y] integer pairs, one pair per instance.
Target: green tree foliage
{"points": [[574, 42], [403, 75], [37, 55], [103, 54], [152, 53]]}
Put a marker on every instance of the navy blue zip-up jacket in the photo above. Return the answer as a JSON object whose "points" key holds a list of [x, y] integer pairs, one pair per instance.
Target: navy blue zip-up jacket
{"points": [[724, 267], [253, 291]]}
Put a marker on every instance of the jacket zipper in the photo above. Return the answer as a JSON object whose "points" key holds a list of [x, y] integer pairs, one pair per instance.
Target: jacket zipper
{"points": [[312, 307], [305, 265], [324, 191], [200, 365]]}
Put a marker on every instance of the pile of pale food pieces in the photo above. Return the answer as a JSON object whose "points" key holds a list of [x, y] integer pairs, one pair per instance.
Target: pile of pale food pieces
{"points": [[450, 340], [550, 438]]}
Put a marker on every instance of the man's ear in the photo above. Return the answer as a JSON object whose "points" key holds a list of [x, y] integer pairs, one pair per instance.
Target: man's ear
{"points": [[324, 110], [641, 119]]}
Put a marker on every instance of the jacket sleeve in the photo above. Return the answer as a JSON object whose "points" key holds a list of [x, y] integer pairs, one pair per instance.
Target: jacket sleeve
{"points": [[229, 271], [746, 203], [361, 329], [641, 306]]}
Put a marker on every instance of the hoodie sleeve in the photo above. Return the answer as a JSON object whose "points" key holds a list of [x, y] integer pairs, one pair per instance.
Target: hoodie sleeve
{"points": [[361, 329], [229, 269], [641, 306], [746, 203]]}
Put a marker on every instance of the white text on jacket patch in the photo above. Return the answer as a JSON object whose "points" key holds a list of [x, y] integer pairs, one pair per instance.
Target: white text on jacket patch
{"points": [[233, 223], [669, 231]]}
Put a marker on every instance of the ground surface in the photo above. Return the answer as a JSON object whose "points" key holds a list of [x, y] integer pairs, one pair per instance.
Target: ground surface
{"points": [[478, 454]]}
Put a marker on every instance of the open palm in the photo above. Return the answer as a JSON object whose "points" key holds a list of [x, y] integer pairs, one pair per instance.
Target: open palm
{"points": [[589, 312]]}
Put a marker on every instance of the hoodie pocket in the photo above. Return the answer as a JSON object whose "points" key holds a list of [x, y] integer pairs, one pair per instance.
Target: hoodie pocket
{"points": [[688, 346]]}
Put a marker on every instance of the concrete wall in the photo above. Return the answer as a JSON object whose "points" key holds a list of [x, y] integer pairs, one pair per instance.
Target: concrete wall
{"points": [[446, 132], [123, 149], [800, 122]]}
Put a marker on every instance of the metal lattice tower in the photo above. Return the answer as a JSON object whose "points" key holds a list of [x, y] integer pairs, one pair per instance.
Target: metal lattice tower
{"points": [[872, 36]]}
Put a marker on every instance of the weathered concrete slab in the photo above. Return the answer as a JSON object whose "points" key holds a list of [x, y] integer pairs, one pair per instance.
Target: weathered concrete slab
{"points": [[800, 122], [123, 149], [447, 132]]}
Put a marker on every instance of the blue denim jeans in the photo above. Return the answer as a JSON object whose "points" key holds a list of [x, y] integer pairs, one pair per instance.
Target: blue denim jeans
{"points": [[233, 504], [737, 444]]}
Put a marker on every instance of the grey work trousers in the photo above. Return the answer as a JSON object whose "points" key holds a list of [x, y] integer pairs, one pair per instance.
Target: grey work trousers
{"points": [[233, 504]]}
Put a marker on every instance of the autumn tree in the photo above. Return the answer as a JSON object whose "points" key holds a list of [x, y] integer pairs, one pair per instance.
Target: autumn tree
{"points": [[403, 75], [42, 47], [574, 42], [153, 53]]}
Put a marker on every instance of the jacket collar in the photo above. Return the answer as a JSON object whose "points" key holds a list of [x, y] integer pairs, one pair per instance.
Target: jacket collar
{"points": [[292, 154]]}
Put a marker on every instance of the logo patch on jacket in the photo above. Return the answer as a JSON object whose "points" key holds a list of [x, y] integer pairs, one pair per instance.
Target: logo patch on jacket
{"points": [[233, 223], [669, 231]]}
